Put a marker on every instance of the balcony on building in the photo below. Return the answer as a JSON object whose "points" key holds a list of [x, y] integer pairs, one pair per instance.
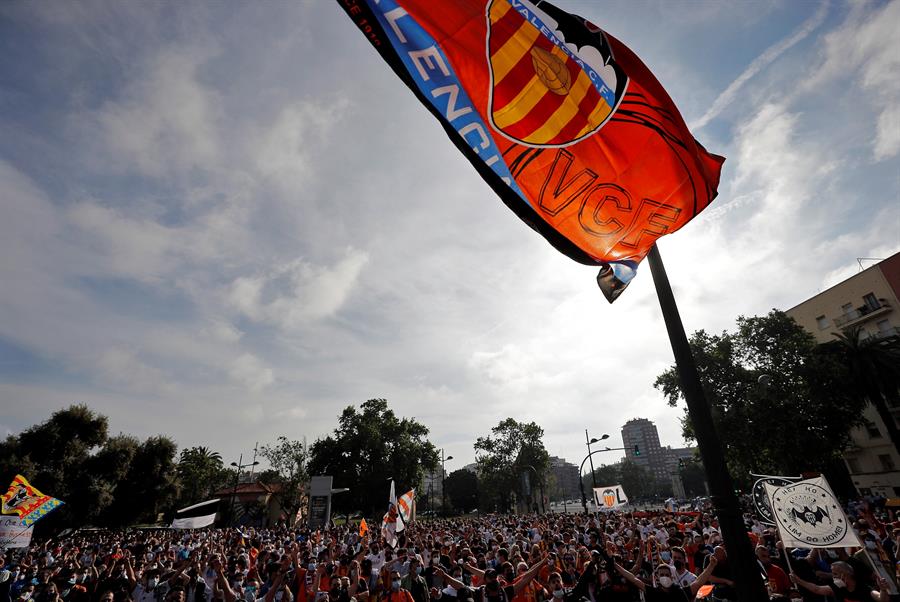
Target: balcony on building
{"points": [[871, 309]]}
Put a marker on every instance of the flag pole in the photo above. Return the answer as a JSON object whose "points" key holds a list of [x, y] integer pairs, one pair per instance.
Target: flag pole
{"points": [[741, 557]]}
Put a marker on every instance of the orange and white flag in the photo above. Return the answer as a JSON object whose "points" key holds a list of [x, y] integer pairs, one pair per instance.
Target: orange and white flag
{"points": [[406, 505]]}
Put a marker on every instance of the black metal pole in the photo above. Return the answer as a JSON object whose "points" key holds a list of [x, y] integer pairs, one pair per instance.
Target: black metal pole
{"points": [[588, 441], [741, 557], [237, 477]]}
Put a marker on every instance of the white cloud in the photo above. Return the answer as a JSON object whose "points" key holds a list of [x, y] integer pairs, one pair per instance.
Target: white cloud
{"points": [[865, 53], [251, 372], [297, 292], [164, 121]]}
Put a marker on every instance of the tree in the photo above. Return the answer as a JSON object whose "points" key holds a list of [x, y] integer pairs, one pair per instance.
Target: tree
{"points": [[874, 366], [370, 446], [778, 402], [693, 478], [461, 487], [150, 484], [287, 460], [507, 453], [200, 472]]}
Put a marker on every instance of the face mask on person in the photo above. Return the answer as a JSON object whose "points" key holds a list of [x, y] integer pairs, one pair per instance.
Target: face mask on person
{"points": [[666, 556], [559, 593], [838, 582], [26, 595], [679, 563], [665, 581], [418, 570], [152, 582], [395, 585], [279, 595]]}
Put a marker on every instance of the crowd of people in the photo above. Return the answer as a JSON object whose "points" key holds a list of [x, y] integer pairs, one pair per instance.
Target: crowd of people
{"points": [[600, 557]]}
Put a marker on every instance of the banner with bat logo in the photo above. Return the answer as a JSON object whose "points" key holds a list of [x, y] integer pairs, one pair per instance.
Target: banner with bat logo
{"points": [[809, 515], [561, 119]]}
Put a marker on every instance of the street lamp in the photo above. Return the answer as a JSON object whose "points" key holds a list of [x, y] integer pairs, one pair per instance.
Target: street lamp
{"points": [[581, 469], [238, 466], [589, 441], [443, 475]]}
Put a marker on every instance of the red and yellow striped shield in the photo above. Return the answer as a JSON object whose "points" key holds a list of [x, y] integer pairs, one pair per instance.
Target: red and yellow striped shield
{"points": [[609, 498], [544, 92]]}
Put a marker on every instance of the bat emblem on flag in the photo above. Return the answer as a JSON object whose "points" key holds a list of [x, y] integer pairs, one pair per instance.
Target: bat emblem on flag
{"points": [[554, 80], [809, 516]]}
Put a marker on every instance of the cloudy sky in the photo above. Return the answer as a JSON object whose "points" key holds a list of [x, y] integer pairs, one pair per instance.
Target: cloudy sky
{"points": [[226, 221]]}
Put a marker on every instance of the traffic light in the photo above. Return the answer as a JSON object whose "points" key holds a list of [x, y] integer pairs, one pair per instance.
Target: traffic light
{"points": [[637, 450]]}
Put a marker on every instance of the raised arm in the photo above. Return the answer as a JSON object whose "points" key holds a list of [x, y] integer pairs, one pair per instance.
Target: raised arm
{"points": [[528, 576], [703, 577], [819, 590], [629, 576]]}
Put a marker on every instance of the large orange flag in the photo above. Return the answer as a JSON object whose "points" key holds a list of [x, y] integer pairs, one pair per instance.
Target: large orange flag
{"points": [[564, 122]]}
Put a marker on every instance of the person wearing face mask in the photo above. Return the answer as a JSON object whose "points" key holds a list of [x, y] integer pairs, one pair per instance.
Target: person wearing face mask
{"points": [[414, 582], [395, 591], [844, 586], [665, 588], [680, 572], [145, 590]]}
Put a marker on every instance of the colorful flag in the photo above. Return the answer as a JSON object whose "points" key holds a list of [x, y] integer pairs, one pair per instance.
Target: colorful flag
{"points": [[363, 527], [562, 120], [27, 502], [610, 497], [405, 505], [809, 515]]}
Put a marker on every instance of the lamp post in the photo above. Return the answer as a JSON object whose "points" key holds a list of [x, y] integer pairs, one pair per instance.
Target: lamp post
{"points": [[589, 441], [238, 466], [443, 475], [581, 469]]}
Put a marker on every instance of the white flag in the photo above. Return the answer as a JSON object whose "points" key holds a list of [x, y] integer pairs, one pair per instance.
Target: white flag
{"points": [[809, 515], [612, 496]]}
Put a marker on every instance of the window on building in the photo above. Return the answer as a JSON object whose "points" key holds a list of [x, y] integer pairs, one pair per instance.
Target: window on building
{"points": [[873, 431], [887, 463], [853, 465], [864, 491], [896, 491], [847, 308], [822, 321], [870, 300], [883, 325]]}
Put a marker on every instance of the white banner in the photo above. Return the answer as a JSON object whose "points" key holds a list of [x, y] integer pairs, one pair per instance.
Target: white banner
{"points": [[809, 515], [195, 522], [609, 497], [13, 534]]}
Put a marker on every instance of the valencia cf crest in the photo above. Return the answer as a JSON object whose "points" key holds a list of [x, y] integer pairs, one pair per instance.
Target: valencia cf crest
{"points": [[554, 80]]}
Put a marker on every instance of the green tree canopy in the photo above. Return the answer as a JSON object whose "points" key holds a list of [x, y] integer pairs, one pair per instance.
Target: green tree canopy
{"points": [[779, 403], [461, 488], [873, 364], [200, 472], [287, 460], [505, 455], [369, 446]]}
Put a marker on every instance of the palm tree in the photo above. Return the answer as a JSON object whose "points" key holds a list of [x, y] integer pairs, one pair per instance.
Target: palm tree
{"points": [[198, 469], [874, 367]]}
